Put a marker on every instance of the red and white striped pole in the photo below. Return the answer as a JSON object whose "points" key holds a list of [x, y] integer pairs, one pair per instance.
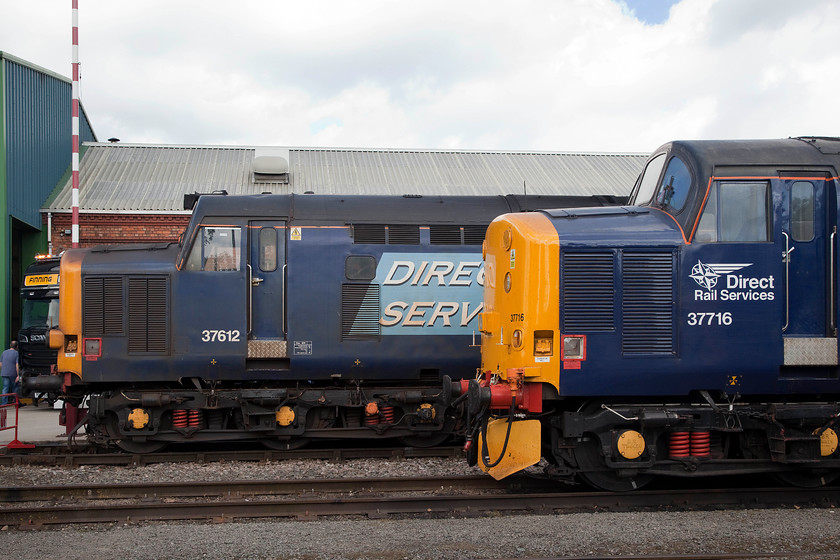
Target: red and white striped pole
{"points": [[75, 124]]}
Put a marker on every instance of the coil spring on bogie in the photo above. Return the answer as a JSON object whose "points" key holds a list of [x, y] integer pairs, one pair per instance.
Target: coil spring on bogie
{"points": [[679, 445], [701, 444], [682, 445], [196, 418], [180, 418], [388, 414]]}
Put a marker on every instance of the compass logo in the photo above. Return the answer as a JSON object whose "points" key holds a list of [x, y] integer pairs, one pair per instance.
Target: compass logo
{"points": [[706, 275]]}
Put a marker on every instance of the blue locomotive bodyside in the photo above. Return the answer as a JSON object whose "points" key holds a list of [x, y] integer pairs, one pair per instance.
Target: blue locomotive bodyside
{"points": [[283, 317], [706, 309]]}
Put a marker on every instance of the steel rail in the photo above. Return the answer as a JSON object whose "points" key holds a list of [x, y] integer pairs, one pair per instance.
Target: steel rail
{"points": [[469, 505], [66, 459], [240, 488]]}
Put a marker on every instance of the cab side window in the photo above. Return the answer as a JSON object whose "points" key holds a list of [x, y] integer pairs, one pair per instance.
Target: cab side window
{"points": [[802, 211], [736, 212], [649, 179], [675, 186], [216, 248]]}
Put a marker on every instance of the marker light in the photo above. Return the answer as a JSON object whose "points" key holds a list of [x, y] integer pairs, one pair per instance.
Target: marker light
{"points": [[574, 347], [517, 338], [507, 282]]}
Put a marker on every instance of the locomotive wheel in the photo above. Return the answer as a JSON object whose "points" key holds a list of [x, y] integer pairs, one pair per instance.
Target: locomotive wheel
{"points": [[286, 444], [588, 457], [807, 478], [128, 444]]}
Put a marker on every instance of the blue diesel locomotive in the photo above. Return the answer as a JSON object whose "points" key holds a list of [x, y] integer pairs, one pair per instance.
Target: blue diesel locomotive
{"points": [[692, 332], [281, 318]]}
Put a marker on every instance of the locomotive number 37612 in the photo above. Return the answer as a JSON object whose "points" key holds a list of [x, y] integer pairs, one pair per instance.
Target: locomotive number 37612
{"points": [[212, 335]]}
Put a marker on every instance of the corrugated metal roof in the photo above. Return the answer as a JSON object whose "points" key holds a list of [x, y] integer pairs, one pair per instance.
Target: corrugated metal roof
{"points": [[134, 178]]}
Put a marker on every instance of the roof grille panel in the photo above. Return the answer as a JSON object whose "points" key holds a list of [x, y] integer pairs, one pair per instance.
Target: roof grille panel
{"points": [[588, 292], [648, 303]]}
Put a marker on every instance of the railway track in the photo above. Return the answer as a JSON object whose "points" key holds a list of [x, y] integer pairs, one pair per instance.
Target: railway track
{"points": [[61, 456], [372, 498]]}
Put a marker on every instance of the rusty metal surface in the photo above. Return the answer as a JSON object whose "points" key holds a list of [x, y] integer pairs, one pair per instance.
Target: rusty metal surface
{"points": [[461, 505], [60, 455]]}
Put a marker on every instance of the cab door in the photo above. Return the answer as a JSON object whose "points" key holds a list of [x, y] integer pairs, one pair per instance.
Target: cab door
{"points": [[807, 234], [266, 289]]}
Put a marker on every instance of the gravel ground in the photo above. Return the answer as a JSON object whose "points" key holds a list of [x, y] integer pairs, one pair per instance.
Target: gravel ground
{"points": [[794, 531]]}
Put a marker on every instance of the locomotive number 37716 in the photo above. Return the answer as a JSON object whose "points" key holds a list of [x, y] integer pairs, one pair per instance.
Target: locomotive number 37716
{"points": [[219, 336]]}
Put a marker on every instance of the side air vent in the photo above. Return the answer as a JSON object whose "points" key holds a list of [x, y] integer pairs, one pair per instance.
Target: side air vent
{"points": [[369, 233], [148, 305], [445, 235], [648, 303], [588, 292], [359, 311], [474, 235], [403, 235], [399, 234], [102, 306]]}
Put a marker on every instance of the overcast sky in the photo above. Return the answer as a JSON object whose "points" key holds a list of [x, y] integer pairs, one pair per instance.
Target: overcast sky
{"points": [[546, 75]]}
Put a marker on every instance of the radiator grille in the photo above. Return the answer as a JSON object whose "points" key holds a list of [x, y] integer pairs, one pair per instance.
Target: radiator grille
{"points": [[648, 303], [474, 235], [148, 327], [369, 233], [102, 307], [445, 235], [403, 235], [588, 292], [359, 311]]}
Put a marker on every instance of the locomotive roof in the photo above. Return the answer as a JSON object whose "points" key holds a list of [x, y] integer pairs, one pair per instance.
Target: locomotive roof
{"points": [[381, 209], [134, 178], [783, 153]]}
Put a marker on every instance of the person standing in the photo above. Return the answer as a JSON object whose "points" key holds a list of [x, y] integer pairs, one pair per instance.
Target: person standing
{"points": [[10, 370]]}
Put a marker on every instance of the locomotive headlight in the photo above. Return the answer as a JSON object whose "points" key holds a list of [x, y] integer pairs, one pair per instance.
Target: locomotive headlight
{"points": [[574, 347], [517, 338], [507, 282], [507, 239]]}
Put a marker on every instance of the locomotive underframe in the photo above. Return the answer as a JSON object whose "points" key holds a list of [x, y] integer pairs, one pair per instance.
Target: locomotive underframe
{"points": [[742, 438], [145, 418]]}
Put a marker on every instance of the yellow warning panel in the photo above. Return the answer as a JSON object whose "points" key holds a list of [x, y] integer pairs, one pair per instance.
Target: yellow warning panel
{"points": [[523, 448]]}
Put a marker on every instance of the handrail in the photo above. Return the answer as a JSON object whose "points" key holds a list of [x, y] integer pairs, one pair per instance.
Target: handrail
{"points": [[786, 260], [832, 290]]}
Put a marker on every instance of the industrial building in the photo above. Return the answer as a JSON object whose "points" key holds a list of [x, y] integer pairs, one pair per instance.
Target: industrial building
{"points": [[35, 153], [135, 193]]}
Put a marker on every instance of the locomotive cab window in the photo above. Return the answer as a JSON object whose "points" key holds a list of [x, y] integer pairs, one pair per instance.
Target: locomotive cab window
{"points": [[674, 187], [802, 211], [649, 179], [268, 249], [216, 248], [736, 212]]}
